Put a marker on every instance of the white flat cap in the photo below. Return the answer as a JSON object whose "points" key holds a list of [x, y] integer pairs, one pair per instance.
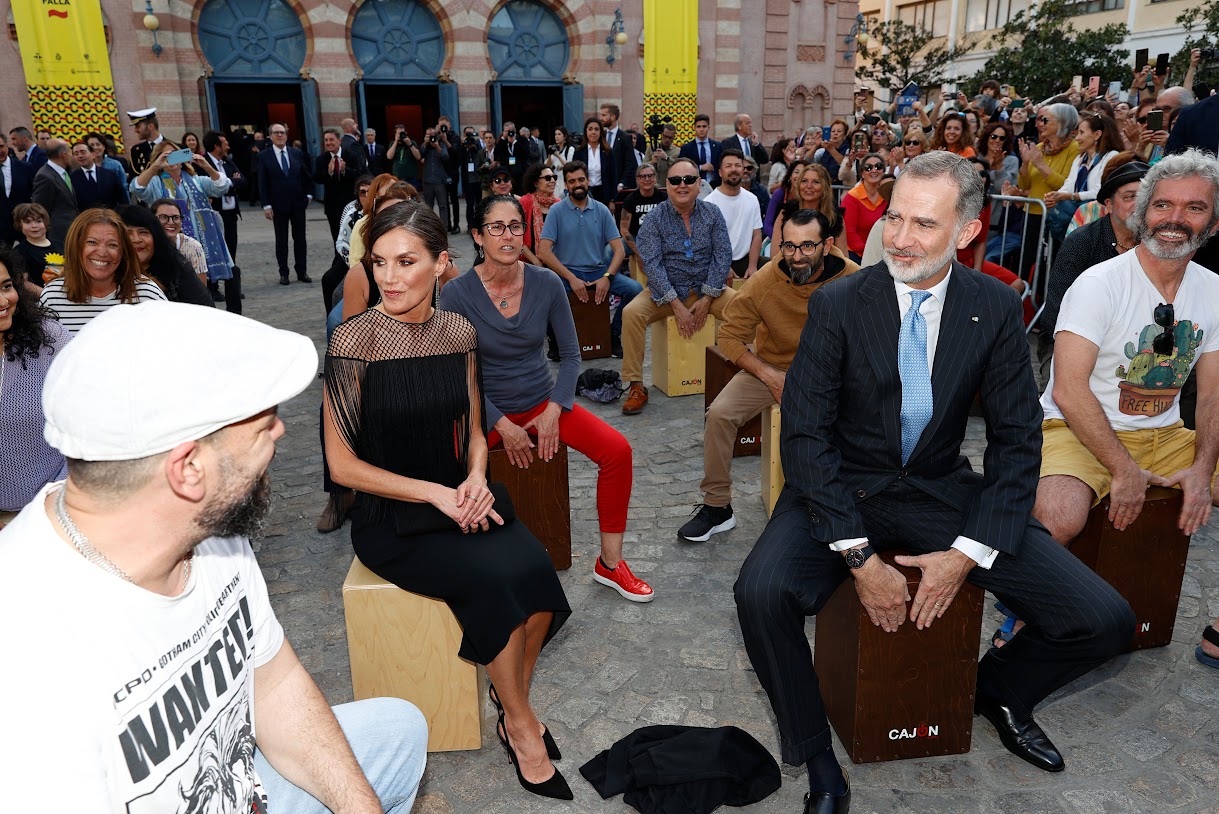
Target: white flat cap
{"points": [[140, 379]]}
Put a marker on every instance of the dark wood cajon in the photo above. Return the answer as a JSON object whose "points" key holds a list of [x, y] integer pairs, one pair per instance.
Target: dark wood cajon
{"points": [[540, 496], [1145, 563], [892, 696], [719, 372], [592, 326]]}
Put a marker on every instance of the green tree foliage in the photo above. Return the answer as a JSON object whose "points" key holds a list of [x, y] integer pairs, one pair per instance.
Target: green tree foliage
{"points": [[1201, 24], [906, 54], [1040, 52]]}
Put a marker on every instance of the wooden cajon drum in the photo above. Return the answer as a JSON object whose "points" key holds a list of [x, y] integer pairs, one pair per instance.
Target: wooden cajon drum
{"points": [[679, 366], [892, 696], [1145, 563], [637, 273], [404, 645], [719, 372], [592, 326], [772, 460], [737, 282], [541, 499]]}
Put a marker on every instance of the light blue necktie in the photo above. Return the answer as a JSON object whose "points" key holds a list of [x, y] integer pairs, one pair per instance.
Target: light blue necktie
{"points": [[915, 375]]}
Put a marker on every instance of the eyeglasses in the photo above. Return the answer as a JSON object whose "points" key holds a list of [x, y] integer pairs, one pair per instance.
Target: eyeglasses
{"points": [[1166, 318], [806, 248], [679, 180], [506, 179], [997, 136], [1043, 120], [645, 175], [279, 132], [169, 218], [497, 228], [550, 177], [874, 167], [912, 142]]}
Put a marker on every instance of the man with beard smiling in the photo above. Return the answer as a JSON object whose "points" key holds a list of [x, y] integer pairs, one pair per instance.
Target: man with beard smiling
{"points": [[872, 458], [768, 311], [1131, 330], [157, 675]]}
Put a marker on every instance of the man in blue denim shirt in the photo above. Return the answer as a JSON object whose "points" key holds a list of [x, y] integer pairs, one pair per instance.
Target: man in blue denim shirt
{"points": [[577, 230], [686, 253]]}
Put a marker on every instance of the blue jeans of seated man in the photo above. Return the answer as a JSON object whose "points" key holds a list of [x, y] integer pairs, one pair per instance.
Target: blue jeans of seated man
{"points": [[620, 285], [389, 738], [334, 319]]}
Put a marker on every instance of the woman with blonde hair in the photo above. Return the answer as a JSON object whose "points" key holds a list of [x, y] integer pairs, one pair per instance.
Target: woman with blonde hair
{"points": [[913, 144], [813, 190], [101, 270]]}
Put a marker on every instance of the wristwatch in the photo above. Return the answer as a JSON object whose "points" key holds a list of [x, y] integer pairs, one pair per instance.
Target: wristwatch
{"points": [[856, 557]]}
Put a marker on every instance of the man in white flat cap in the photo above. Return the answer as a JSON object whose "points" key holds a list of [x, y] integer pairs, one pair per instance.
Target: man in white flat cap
{"points": [[145, 670], [148, 128]]}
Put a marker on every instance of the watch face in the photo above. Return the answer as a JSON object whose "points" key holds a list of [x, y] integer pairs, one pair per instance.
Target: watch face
{"points": [[855, 558]]}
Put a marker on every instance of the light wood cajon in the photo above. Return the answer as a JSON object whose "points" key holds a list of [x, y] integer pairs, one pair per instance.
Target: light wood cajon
{"points": [[772, 460], [679, 366], [637, 273], [404, 645]]}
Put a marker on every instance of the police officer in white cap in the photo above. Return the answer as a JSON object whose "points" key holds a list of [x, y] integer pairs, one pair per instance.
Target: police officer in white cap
{"points": [[145, 668]]}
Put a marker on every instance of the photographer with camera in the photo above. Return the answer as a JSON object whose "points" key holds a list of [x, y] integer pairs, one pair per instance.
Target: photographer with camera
{"points": [[453, 171], [435, 171], [404, 156], [661, 150], [471, 180], [512, 153]]}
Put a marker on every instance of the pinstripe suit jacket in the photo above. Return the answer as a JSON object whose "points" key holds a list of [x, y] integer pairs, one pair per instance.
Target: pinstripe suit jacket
{"points": [[841, 438]]}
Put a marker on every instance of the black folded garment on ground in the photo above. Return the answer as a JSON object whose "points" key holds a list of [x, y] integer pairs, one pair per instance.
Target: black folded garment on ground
{"points": [[684, 769]]}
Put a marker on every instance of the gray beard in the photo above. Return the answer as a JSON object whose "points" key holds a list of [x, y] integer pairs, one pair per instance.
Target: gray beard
{"points": [[922, 269]]}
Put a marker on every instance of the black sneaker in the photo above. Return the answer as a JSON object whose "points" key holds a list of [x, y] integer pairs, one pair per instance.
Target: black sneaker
{"points": [[616, 347], [707, 520]]}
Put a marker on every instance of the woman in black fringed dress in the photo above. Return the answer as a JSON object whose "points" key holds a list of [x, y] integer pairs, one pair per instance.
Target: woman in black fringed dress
{"points": [[404, 426]]}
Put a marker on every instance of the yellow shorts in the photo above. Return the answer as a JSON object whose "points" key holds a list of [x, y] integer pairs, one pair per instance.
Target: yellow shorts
{"points": [[1163, 451]]}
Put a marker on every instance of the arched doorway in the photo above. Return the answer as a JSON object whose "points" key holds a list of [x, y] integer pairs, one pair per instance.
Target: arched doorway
{"points": [[256, 49], [400, 47], [530, 51]]}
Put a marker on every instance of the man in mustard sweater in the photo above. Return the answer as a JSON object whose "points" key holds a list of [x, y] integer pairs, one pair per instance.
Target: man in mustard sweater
{"points": [[770, 310]]}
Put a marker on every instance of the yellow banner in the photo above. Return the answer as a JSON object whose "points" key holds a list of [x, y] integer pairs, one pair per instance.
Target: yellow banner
{"points": [[670, 62], [67, 67]]}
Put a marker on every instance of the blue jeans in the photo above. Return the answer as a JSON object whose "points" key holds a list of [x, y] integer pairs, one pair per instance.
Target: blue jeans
{"points": [[389, 738], [334, 319], [620, 286]]}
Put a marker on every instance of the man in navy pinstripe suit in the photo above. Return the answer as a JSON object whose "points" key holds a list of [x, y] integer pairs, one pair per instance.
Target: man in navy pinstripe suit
{"points": [[868, 467]]}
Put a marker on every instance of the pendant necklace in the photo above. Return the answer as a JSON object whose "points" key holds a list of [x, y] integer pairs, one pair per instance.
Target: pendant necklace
{"points": [[503, 301]]}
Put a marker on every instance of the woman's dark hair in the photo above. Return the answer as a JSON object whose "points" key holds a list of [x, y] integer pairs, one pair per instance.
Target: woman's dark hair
{"points": [[566, 136], [1110, 136], [27, 336], [776, 152], [790, 178], [1009, 135], [416, 218], [984, 170], [480, 216], [530, 182], [166, 263], [363, 180], [600, 135]]}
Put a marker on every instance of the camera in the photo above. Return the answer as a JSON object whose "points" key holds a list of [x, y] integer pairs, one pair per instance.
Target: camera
{"points": [[1208, 54], [511, 134], [554, 148], [444, 128], [470, 140], [656, 128], [431, 139]]}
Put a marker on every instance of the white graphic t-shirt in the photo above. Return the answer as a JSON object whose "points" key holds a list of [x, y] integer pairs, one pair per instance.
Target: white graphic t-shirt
{"points": [[1113, 305], [121, 700]]}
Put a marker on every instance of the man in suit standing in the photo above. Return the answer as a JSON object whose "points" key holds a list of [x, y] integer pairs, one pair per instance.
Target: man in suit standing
{"points": [[374, 154], [621, 145], [148, 128], [703, 151], [31, 153], [512, 153], [744, 139], [350, 140], [16, 187], [53, 189], [335, 169], [872, 455], [94, 185], [216, 151], [285, 185]]}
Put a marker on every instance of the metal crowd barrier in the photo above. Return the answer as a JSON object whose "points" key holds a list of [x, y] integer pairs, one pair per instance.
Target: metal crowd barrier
{"points": [[1010, 238]]}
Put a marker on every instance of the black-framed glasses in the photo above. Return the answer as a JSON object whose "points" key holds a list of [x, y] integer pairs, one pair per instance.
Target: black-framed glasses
{"points": [[645, 175], [679, 180], [550, 177], [496, 228], [169, 218], [997, 136], [912, 142], [874, 167], [1043, 120], [806, 248], [1166, 318]]}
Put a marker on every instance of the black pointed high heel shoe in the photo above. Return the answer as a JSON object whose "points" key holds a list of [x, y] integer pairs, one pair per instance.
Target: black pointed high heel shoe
{"points": [[552, 748], [555, 787]]}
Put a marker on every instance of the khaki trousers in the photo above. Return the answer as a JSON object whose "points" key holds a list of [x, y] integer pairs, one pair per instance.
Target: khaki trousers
{"points": [[741, 399], [6, 518], [642, 312]]}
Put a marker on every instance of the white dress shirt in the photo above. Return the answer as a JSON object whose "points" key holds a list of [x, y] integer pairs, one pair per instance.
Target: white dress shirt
{"points": [[931, 309], [6, 169], [594, 167]]}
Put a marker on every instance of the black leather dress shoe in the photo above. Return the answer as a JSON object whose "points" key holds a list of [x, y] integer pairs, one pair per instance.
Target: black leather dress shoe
{"points": [[826, 803], [283, 281], [1023, 738], [304, 278]]}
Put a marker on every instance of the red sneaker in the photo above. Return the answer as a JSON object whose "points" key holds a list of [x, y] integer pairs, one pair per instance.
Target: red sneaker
{"points": [[623, 581]]}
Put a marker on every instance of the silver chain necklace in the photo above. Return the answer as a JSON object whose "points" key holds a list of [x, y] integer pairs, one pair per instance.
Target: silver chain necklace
{"points": [[86, 548]]}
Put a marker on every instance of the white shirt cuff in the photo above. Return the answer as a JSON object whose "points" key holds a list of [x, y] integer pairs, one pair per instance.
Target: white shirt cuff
{"points": [[265, 208], [983, 555], [843, 545]]}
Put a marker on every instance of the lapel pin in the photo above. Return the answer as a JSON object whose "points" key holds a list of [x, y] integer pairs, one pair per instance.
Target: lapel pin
{"points": [[975, 319]]}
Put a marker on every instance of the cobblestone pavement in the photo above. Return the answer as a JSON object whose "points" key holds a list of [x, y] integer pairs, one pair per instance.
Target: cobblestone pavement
{"points": [[1138, 734]]}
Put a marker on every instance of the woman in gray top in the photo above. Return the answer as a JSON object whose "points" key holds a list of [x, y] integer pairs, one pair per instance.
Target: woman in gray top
{"points": [[511, 303]]}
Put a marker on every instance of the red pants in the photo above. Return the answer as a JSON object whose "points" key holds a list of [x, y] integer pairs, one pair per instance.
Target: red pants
{"points": [[604, 445]]}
